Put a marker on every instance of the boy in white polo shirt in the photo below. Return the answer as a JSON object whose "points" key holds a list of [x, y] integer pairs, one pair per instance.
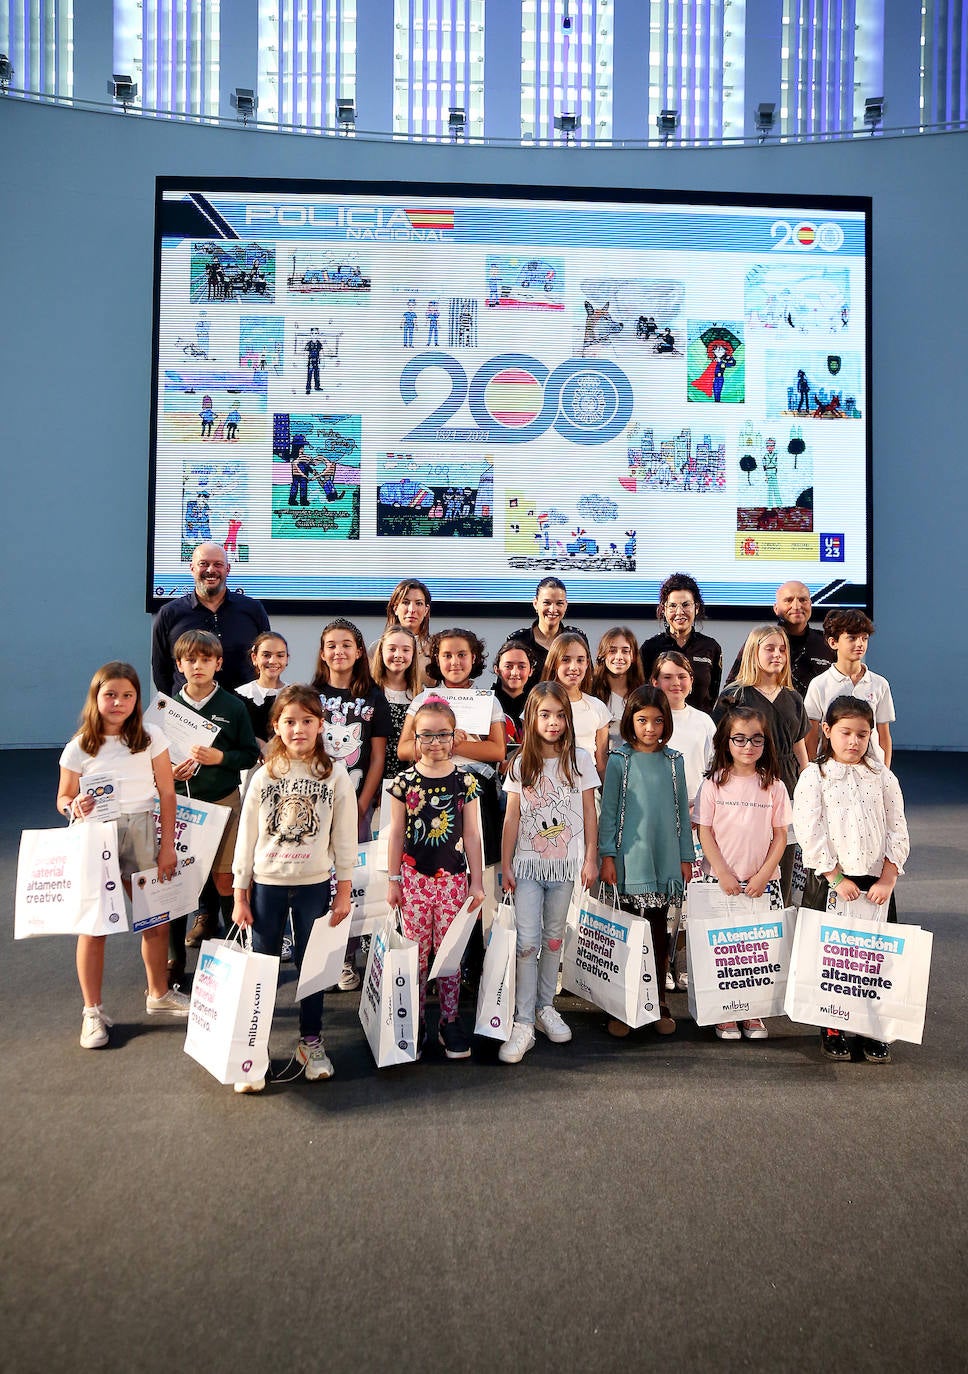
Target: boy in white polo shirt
{"points": [[847, 632]]}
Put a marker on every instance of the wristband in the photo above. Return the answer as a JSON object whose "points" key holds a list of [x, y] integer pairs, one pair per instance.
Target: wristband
{"points": [[835, 882], [394, 877]]}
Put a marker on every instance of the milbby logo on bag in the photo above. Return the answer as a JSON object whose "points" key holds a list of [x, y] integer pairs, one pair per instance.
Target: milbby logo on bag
{"points": [[256, 1015]]}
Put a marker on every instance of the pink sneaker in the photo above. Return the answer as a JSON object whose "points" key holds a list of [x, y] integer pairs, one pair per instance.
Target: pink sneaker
{"points": [[728, 1030], [754, 1029]]}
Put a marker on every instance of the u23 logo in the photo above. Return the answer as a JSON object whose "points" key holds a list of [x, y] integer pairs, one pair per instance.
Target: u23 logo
{"points": [[514, 398]]}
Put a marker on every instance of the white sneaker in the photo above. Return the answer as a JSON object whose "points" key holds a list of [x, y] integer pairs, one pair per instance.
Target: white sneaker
{"points": [[682, 981], [314, 1059], [516, 1047], [754, 1029], [94, 1032], [174, 1003], [349, 979], [253, 1085], [670, 982], [728, 1030], [555, 1027]]}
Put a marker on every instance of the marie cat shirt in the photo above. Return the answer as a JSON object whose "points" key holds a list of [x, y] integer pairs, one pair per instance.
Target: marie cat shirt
{"points": [[351, 722]]}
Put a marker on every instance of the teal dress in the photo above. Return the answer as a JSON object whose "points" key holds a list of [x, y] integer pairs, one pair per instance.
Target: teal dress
{"points": [[644, 824]]}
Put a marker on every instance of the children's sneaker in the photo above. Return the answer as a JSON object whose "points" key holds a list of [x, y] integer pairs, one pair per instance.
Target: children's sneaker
{"points": [[876, 1051], [314, 1059], [518, 1043], [670, 982], [834, 1044], [555, 1027], [754, 1029], [286, 956], [452, 1036], [682, 981], [254, 1085], [174, 1003], [94, 1028], [728, 1030], [349, 979]]}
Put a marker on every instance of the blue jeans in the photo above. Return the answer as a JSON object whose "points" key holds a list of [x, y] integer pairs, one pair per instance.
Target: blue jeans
{"points": [[540, 910], [270, 906]]}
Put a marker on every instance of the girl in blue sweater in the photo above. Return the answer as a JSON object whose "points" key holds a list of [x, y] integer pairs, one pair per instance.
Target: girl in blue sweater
{"points": [[644, 836]]}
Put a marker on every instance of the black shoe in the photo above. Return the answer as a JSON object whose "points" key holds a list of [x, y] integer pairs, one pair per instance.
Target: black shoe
{"points": [[834, 1044], [176, 972], [455, 1042], [876, 1051]]}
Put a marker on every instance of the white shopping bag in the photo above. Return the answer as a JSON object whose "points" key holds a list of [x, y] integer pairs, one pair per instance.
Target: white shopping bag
{"points": [[325, 953], [199, 827], [233, 997], [859, 975], [739, 954], [609, 960], [450, 951], [390, 996], [68, 882], [368, 893], [495, 996]]}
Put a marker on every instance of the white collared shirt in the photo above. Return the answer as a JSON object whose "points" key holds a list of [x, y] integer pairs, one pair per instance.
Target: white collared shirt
{"points": [[851, 814]]}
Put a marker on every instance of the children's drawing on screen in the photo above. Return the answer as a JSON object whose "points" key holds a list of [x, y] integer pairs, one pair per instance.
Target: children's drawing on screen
{"points": [[435, 498], [774, 481], [674, 461], [630, 314], [815, 386], [716, 362], [338, 275], [212, 406], [516, 282], [214, 507], [315, 476], [791, 299], [230, 270], [261, 343], [588, 536]]}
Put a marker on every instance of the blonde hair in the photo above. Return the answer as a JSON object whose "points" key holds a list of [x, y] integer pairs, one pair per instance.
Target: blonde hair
{"points": [[379, 669], [749, 668]]}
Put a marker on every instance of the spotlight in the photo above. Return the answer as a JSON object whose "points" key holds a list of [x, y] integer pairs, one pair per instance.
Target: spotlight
{"points": [[457, 121], [345, 112], [123, 90], [765, 119], [245, 102], [667, 122], [874, 111], [567, 124], [6, 71]]}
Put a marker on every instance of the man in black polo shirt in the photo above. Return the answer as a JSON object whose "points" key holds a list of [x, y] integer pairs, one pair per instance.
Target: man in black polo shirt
{"points": [[235, 618], [810, 654]]}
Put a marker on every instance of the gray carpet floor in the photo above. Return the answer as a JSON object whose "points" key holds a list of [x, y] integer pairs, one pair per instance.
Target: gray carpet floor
{"points": [[680, 1204]]}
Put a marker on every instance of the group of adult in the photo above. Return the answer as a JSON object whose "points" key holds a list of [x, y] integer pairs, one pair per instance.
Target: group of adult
{"points": [[237, 619]]}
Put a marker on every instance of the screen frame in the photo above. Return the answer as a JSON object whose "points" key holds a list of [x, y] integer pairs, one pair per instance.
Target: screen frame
{"points": [[825, 596]]}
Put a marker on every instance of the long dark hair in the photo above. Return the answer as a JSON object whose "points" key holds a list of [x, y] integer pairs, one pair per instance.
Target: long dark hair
{"points": [[721, 767], [840, 709], [601, 686], [636, 701], [361, 683]]}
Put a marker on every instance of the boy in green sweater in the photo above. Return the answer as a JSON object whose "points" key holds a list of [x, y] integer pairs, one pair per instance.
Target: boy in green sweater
{"points": [[211, 774]]}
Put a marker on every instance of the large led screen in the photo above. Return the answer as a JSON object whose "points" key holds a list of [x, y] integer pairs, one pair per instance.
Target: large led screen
{"points": [[482, 386]]}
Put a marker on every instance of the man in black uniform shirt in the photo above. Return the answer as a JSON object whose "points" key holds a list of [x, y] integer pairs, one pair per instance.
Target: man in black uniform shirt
{"points": [[810, 654]]}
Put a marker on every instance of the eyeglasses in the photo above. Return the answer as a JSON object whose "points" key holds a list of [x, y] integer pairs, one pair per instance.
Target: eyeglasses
{"points": [[741, 741], [435, 736]]}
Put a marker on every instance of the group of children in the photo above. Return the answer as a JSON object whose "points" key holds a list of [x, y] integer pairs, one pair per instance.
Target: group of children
{"points": [[524, 792]]}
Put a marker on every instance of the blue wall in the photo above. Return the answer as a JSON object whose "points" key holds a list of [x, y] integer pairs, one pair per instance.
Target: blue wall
{"points": [[76, 207]]}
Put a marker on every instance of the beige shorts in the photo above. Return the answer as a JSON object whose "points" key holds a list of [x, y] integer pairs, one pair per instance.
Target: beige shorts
{"points": [[226, 850], [137, 844]]}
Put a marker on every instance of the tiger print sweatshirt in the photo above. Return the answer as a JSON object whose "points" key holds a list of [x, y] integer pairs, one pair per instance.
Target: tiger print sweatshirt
{"points": [[295, 829]]}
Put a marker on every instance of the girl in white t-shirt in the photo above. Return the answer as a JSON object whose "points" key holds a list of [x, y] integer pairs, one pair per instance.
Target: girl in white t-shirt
{"points": [[550, 838], [618, 671], [569, 663], [743, 810], [114, 740]]}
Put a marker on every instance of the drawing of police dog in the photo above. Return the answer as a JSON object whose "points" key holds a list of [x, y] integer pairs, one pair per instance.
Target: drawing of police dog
{"points": [[599, 328]]}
